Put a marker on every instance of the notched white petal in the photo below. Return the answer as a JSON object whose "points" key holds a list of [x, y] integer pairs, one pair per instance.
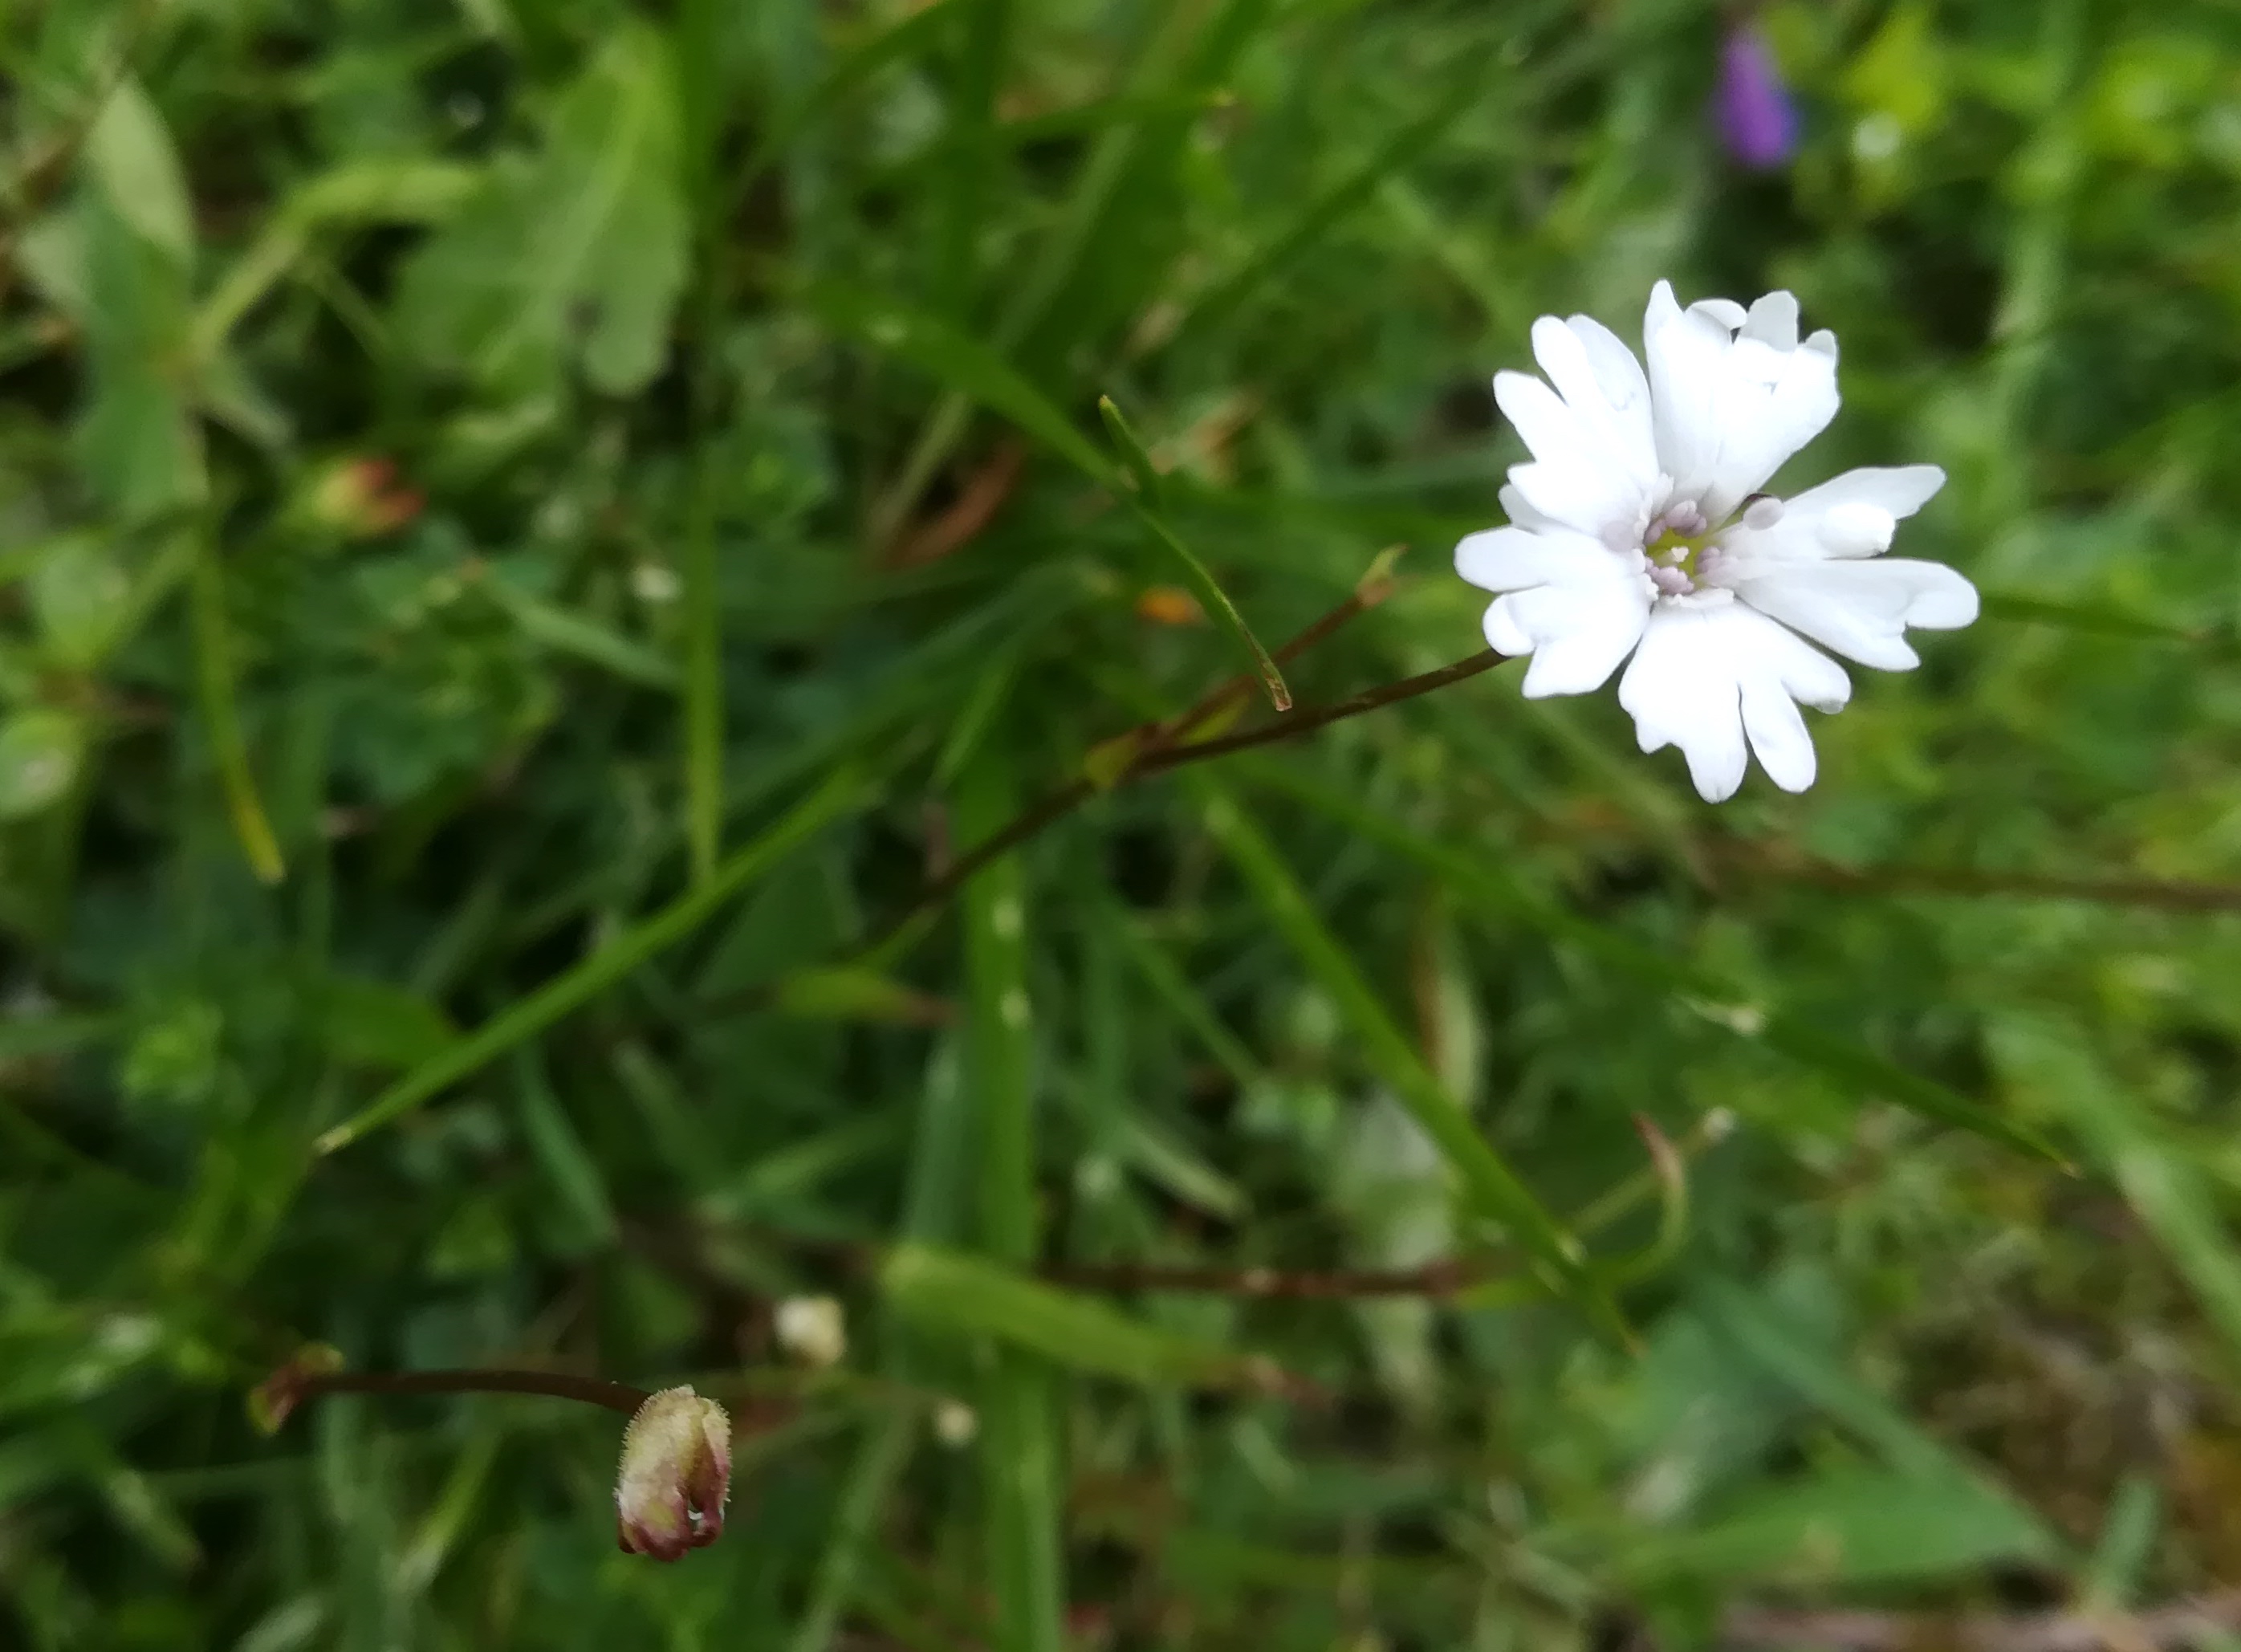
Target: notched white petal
{"points": [[1686, 354], [1856, 530], [1721, 312], [1773, 320], [1901, 489], [1503, 634], [1521, 511], [1861, 609], [1548, 428], [1586, 638], [1720, 680], [1514, 559], [1768, 403]]}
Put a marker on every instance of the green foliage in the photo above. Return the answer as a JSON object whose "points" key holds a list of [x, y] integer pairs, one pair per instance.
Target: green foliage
{"points": [[531, 531]]}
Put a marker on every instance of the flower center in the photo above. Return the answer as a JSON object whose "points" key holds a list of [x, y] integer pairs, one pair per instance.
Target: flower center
{"points": [[1673, 543]]}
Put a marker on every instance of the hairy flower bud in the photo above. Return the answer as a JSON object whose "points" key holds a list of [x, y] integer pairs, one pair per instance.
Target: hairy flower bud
{"points": [[675, 1474]]}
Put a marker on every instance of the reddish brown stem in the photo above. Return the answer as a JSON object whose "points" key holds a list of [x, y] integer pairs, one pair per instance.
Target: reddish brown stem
{"points": [[291, 1386]]}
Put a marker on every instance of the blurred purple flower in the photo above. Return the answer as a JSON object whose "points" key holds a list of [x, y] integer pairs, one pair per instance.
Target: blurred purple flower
{"points": [[1758, 120]]}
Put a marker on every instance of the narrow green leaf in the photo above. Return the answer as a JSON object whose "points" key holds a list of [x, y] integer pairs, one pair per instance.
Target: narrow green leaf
{"points": [[129, 155], [1847, 1526], [704, 660], [380, 1023], [905, 36], [221, 716], [1130, 174], [1183, 1001], [864, 1494], [1759, 1332], [137, 440], [568, 632], [956, 1294], [972, 150], [2166, 1190], [1323, 212], [559, 1151], [960, 362], [2089, 617], [847, 995], [569, 991], [1494, 1189], [1201, 579], [1019, 1444], [2128, 1543], [378, 190]]}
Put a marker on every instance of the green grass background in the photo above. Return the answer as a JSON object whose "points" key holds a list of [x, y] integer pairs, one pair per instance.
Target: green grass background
{"points": [[529, 804]]}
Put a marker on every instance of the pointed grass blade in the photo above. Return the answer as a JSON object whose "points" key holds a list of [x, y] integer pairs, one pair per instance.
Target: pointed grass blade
{"points": [[214, 680], [1203, 585], [1492, 1187], [1480, 885], [571, 990]]}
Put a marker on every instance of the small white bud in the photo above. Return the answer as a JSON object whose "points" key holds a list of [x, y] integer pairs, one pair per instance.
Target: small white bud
{"points": [[815, 1329], [1763, 512], [955, 1423]]}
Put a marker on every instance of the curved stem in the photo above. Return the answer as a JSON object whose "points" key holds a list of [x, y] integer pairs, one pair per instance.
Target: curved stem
{"points": [[1159, 758]]}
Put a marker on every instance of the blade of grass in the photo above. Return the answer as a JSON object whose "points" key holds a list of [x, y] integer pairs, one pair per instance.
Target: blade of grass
{"points": [[214, 682], [932, 1211], [704, 668], [1019, 1442], [1480, 884], [2095, 618], [569, 991], [1211, 596], [972, 150], [960, 1295], [1332, 207], [910, 32], [1167, 74], [702, 96], [566, 633], [1183, 1001], [962, 362], [1493, 1188], [2171, 1194]]}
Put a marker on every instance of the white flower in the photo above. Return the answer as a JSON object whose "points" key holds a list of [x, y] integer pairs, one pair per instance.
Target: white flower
{"points": [[1638, 528]]}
